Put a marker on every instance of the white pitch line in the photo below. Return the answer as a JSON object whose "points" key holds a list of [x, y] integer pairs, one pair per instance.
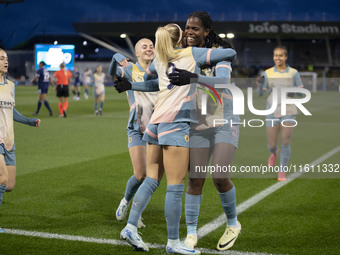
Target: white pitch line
{"points": [[206, 229], [111, 241], [221, 220], [64, 237], [231, 252]]}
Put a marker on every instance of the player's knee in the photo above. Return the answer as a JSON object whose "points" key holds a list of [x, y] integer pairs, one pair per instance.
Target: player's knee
{"points": [[141, 177], [140, 173], [195, 186], [9, 188], [223, 184], [3, 180], [285, 142]]}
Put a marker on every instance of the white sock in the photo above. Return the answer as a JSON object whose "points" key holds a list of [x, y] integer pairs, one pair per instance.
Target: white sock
{"points": [[131, 227], [125, 201], [173, 242]]}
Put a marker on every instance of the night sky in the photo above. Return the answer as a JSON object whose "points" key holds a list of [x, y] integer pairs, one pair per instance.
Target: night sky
{"points": [[21, 21]]}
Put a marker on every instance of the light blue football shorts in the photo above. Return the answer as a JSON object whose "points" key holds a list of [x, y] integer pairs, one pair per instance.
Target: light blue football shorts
{"points": [[135, 138], [209, 137], [9, 155], [173, 134]]}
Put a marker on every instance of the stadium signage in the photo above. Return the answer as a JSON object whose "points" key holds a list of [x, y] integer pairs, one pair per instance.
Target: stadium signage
{"points": [[267, 27]]}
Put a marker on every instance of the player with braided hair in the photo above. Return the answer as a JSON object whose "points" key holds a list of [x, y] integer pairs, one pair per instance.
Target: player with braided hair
{"points": [[223, 140], [210, 39]]}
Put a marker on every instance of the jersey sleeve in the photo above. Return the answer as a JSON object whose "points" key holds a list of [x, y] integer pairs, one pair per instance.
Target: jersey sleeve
{"points": [[206, 56], [116, 69], [223, 73], [38, 73], [116, 59], [119, 57], [263, 84], [146, 86], [126, 72], [17, 116], [297, 80], [150, 72]]}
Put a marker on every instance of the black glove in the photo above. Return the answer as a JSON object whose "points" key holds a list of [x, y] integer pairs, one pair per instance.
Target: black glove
{"points": [[182, 77], [121, 84]]}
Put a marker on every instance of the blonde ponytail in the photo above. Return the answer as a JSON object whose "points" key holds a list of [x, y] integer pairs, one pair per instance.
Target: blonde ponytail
{"points": [[167, 38]]}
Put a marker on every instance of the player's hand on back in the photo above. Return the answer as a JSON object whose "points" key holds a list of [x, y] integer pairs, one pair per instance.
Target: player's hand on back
{"points": [[182, 77]]}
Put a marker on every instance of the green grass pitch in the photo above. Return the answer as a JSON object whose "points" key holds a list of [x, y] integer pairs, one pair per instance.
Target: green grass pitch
{"points": [[71, 175]]}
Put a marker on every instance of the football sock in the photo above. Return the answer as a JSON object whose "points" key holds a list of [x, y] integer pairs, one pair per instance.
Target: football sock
{"points": [[131, 227], [38, 106], [65, 106], [60, 105], [95, 106], [173, 242], [141, 199], [172, 209], [131, 188], [101, 105], [47, 105], [228, 200], [285, 155], [192, 209], [2, 191]]}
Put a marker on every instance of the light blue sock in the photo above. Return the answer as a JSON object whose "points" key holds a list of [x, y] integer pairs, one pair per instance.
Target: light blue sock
{"points": [[141, 199], [228, 200], [173, 208], [95, 106], [285, 155], [192, 209], [2, 191], [101, 105], [131, 187]]}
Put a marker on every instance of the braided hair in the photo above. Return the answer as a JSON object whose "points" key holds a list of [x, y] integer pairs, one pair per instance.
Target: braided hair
{"points": [[212, 40]]}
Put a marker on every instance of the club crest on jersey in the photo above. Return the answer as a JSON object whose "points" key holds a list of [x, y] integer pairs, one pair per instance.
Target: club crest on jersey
{"points": [[130, 139], [186, 138]]}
